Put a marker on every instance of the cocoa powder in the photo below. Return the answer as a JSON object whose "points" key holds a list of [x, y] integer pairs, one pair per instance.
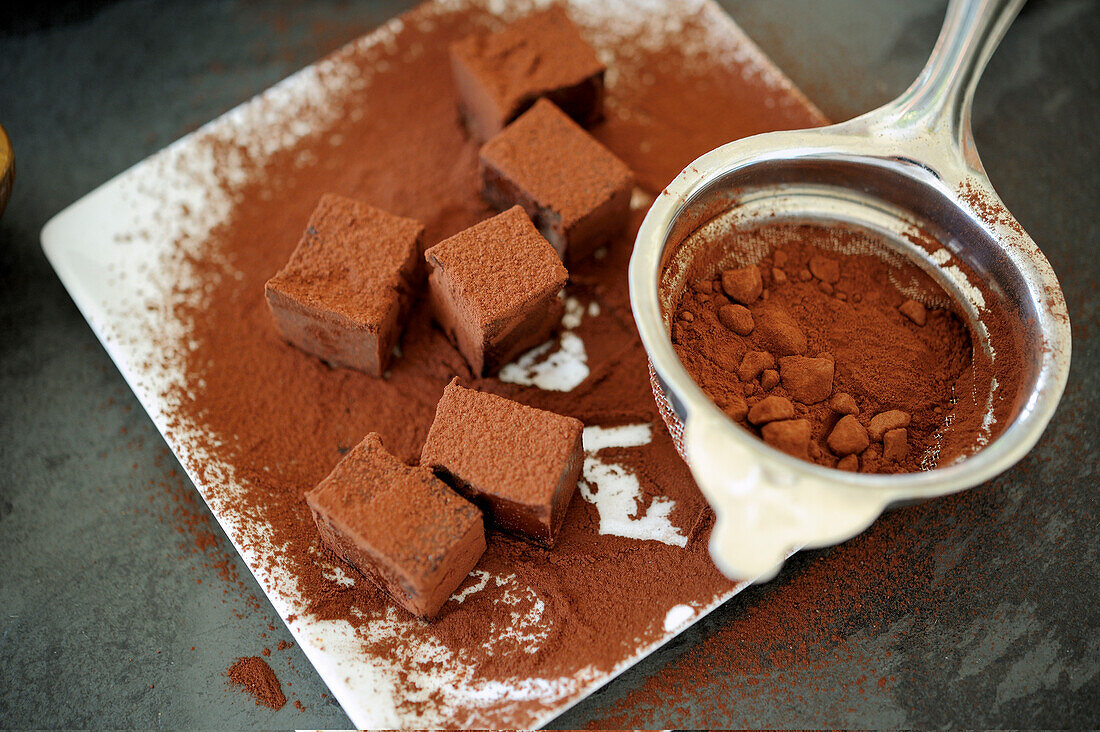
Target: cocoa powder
{"points": [[846, 327], [770, 643], [810, 333], [252, 674]]}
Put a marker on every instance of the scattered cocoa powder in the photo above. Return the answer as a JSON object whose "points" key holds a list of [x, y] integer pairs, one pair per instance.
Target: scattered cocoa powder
{"points": [[770, 643], [252, 674], [987, 208], [281, 419]]}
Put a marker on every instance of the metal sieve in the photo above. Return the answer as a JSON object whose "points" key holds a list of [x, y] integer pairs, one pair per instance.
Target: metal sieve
{"points": [[909, 174]]}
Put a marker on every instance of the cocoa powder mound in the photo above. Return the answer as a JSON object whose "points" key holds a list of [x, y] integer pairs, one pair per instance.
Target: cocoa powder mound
{"points": [[281, 419], [252, 674], [833, 331], [838, 351]]}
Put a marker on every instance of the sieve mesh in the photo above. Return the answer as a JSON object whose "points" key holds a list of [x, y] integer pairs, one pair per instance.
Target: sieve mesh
{"points": [[672, 422], [727, 241]]}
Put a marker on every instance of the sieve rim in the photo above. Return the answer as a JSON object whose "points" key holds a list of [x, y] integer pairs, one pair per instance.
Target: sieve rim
{"points": [[852, 142]]}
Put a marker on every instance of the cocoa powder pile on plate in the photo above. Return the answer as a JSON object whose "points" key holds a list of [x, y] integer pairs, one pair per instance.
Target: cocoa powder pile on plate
{"points": [[821, 354], [252, 674]]}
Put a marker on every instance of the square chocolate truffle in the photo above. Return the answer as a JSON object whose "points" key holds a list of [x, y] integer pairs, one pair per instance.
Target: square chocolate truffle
{"points": [[494, 289], [520, 464], [399, 526], [574, 189], [500, 75], [348, 286]]}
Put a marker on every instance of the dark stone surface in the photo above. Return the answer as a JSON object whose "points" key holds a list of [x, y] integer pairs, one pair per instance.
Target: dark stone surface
{"points": [[111, 571]]}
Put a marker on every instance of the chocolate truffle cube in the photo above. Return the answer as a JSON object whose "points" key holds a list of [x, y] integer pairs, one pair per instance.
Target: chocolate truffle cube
{"points": [[400, 526], [520, 464], [347, 288], [494, 287], [500, 75], [574, 189]]}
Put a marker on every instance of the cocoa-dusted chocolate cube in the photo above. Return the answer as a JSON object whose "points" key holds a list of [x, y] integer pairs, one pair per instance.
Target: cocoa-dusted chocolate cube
{"points": [[520, 464], [347, 288], [398, 525], [500, 75], [494, 287], [574, 189]]}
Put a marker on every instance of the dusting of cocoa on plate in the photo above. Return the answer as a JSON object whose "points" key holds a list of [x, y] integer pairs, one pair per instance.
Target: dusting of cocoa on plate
{"points": [[281, 419]]}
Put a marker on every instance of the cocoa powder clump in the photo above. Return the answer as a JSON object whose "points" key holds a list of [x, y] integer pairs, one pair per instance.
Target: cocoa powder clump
{"points": [[808, 380], [771, 409], [882, 423], [848, 437], [842, 403], [743, 285], [792, 436], [753, 364], [252, 674], [735, 317], [779, 333]]}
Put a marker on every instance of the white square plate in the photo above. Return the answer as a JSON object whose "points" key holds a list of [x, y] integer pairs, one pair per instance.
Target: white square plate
{"points": [[110, 249]]}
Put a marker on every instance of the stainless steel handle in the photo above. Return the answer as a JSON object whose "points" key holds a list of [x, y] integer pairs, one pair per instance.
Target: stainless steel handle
{"points": [[940, 100]]}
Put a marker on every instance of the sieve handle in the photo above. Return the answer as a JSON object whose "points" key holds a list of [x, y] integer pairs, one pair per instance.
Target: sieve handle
{"points": [[764, 514], [939, 102]]}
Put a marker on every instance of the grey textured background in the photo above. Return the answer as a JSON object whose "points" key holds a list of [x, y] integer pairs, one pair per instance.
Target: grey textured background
{"points": [[122, 604]]}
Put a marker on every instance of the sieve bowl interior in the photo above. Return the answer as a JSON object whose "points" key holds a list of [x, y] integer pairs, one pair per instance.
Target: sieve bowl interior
{"points": [[918, 217]]}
